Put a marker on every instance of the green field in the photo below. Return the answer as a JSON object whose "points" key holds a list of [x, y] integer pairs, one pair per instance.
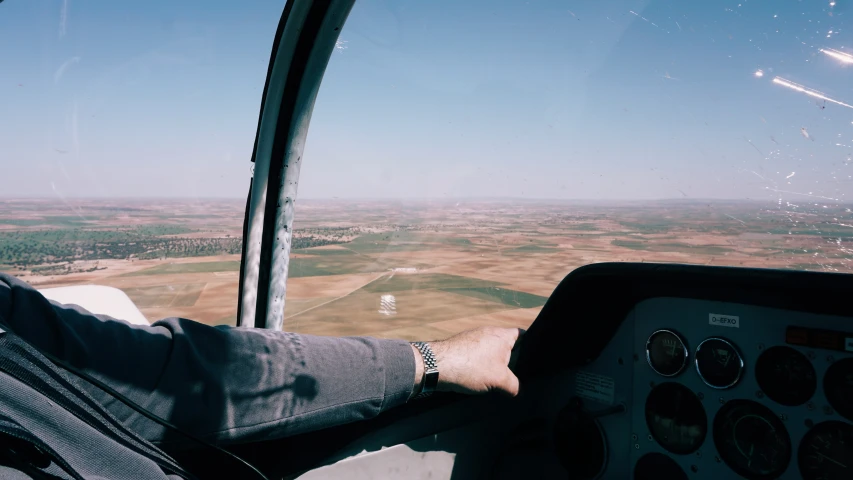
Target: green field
{"points": [[434, 296], [467, 286], [652, 246], [389, 242], [403, 282], [324, 265], [53, 221], [200, 267], [650, 226], [510, 298], [357, 314], [583, 226], [533, 249], [632, 244]]}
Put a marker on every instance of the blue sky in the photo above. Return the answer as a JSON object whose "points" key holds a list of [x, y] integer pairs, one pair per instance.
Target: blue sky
{"points": [[530, 99]]}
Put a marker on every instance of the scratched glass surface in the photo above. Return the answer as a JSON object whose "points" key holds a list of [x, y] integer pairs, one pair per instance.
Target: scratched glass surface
{"points": [[462, 158], [474, 153], [126, 132]]}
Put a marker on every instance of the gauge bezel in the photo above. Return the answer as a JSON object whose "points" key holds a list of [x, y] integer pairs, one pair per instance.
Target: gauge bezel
{"points": [[770, 417], [739, 358], [806, 440], [769, 388], [700, 411], [683, 347]]}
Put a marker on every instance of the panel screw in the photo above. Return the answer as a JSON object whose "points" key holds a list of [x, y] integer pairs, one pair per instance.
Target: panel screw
{"points": [[698, 453], [634, 437], [811, 355], [761, 346], [722, 400], [828, 410], [759, 394], [637, 446], [783, 417], [650, 438], [810, 406], [701, 396], [694, 468]]}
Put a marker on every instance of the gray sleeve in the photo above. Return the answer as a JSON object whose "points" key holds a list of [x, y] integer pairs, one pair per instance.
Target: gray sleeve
{"points": [[224, 383]]}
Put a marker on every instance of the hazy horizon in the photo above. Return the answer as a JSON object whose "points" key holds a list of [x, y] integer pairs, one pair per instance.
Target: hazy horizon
{"points": [[630, 100], [408, 199]]}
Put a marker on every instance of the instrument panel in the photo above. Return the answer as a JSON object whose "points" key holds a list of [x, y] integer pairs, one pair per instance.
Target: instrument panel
{"points": [[638, 371], [718, 390]]}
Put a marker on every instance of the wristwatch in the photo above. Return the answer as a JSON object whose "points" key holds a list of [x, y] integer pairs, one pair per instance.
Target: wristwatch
{"points": [[430, 370]]}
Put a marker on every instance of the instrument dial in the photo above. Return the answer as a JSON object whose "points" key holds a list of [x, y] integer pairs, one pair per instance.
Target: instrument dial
{"points": [[826, 452], [718, 363], [676, 418], [786, 376], [752, 440], [666, 353]]}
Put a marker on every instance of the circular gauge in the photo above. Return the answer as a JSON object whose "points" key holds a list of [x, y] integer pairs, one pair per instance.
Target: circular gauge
{"points": [[786, 376], [838, 387], [718, 363], [580, 443], [676, 418], [752, 440], [826, 452], [656, 466], [666, 353]]}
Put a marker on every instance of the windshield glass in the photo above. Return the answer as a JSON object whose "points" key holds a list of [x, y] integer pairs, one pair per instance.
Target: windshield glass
{"points": [[471, 154], [127, 130], [463, 157]]}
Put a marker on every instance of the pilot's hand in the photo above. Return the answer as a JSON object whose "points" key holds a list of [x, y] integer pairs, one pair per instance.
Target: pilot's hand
{"points": [[475, 361]]}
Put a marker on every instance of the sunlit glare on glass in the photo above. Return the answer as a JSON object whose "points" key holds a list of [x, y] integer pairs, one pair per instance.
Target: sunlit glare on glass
{"points": [[841, 56], [807, 91], [759, 73]]}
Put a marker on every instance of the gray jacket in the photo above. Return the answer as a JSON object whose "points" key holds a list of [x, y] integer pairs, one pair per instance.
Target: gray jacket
{"points": [[224, 384]]}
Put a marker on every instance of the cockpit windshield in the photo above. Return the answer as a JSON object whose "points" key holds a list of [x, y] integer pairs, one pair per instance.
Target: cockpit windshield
{"points": [[462, 157], [478, 151]]}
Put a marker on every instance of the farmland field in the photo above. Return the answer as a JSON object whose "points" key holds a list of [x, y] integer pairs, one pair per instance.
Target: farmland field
{"points": [[398, 269]]}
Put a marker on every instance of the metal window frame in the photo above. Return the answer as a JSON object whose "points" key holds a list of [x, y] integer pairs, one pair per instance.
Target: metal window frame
{"points": [[303, 45]]}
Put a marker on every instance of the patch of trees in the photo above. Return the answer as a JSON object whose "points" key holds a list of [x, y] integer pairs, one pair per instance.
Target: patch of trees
{"points": [[57, 248]]}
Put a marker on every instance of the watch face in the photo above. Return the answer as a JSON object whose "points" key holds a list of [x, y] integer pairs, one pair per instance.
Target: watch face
{"points": [[431, 380]]}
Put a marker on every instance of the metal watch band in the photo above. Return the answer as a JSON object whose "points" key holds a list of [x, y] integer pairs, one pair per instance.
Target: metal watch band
{"points": [[430, 369]]}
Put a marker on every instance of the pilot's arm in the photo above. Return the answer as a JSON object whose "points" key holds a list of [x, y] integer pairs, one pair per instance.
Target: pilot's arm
{"points": [[239, 384]]}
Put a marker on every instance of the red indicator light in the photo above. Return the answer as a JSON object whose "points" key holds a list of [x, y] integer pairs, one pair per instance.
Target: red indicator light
{"points": [[797, 336], [826, 340]]}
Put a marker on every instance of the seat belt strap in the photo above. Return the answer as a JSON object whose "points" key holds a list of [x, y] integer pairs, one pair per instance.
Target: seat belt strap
{"points": [[26, 364]]}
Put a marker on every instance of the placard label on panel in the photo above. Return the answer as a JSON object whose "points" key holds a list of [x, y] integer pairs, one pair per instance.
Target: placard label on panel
{"points": [[598, 388], [723, 320]]}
